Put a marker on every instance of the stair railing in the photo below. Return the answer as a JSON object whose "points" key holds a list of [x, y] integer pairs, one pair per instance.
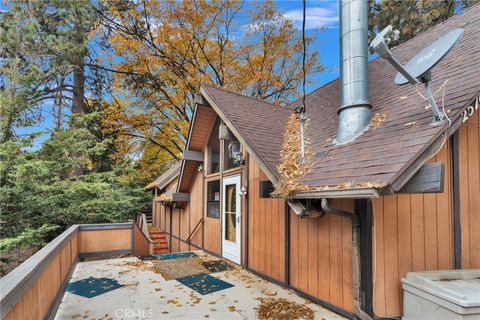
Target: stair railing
{"points": [[193, 231], [141, 222]]}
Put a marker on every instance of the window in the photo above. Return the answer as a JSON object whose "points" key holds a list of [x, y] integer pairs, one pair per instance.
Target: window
{"points": [[266, 189], [213, 199], [233, 153], [214, 153], [231, 213]]}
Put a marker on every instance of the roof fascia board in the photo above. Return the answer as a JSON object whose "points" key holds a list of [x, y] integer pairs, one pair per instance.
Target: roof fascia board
{"points": [[167, 179], [190, 129], [437, 142], [271, 176], [360, 193], [180, 178]]}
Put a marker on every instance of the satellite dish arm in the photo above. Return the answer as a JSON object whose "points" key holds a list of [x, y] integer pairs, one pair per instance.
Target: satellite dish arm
{"points": [[380, 45]]}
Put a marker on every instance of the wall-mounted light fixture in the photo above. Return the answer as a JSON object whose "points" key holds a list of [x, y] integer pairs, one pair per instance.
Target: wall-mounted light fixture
{"points": [[243, 190], [200, 168]]}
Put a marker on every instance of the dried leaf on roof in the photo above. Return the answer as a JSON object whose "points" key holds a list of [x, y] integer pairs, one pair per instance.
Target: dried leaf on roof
{"points": [[410, 124], [164, 198], [290, 169], [377, 120]]}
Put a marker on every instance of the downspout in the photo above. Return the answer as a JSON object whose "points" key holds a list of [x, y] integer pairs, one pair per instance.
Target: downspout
{"points": [[356, 263], [171, 226], [247, 184]]}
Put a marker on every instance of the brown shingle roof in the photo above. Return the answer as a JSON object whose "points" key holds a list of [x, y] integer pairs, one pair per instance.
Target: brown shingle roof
{"points": [[171, 173], [260, 123], [378, 156]]}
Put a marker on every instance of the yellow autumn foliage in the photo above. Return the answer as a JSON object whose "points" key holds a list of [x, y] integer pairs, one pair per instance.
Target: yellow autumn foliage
{"points": [[169, 48]]}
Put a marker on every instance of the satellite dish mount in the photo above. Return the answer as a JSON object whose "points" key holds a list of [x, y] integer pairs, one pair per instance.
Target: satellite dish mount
{"points": [[417, 70]]}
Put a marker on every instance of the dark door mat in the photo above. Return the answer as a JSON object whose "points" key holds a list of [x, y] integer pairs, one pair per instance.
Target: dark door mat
{"points": [[92, 287], [169, 256], [216, 265], [204, 283], [176, 255], [149, 257]]}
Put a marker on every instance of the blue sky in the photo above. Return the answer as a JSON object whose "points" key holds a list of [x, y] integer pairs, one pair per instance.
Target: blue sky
{"points": [[322, 24]]}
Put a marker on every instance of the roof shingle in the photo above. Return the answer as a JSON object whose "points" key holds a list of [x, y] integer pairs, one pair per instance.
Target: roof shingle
{"points": [[379, 155]]}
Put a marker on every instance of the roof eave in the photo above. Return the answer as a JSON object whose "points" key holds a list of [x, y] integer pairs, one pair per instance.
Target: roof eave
{"points": [[435, 144], [359, 193], [165, 181], [272, 176]]}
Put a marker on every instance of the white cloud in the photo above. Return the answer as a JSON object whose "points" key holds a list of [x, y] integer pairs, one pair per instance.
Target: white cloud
{"points": [[316, 17]]}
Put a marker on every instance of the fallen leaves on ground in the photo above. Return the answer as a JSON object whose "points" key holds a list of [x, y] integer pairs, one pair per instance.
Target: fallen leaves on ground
{"points": [[282, 309]]}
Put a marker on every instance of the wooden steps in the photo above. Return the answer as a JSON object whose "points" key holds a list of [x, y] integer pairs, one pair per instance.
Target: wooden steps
{"points": [[160, 239]]}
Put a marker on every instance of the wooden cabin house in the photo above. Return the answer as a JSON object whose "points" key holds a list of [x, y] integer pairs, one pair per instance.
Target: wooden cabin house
{"points": [[221, 201]]}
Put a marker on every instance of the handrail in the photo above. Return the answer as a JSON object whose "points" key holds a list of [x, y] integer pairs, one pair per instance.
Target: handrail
{"points": [[20, 279], [193, 231], [141, 222]]}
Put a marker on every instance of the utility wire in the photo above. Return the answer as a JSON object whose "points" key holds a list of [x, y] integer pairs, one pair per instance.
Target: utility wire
{"points": [[304, 51], [301, 110]]}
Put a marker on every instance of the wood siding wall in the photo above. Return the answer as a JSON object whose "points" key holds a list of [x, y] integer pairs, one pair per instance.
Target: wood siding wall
{"points": [[141, 245], [321, 256], [411, 233], [101, 240], [213, 236], [266, 232], [469, 178], [36, 302], [183, 219], [195, 210]]}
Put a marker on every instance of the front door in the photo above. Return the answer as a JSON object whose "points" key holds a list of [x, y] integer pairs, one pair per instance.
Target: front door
{"points": [[231, 229]]}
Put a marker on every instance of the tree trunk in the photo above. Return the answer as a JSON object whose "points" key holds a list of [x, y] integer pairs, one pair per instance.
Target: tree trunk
{"points": [[78, 103], [58, 105]]}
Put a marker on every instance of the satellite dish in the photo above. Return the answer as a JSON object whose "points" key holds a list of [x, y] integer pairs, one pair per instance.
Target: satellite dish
{"points": [[430, 56], [417, 69]]}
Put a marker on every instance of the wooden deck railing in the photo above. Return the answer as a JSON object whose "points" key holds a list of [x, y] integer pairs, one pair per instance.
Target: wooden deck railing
{"points": [[143, 243], [34, 289]]}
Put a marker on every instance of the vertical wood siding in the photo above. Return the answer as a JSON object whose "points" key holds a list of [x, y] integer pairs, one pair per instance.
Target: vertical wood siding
{"points": [[411, 233], [37, 300], [195, 210], [141, 244], [321, 256], [101, 240], [175, 247], [266, 232], [469, 177]]}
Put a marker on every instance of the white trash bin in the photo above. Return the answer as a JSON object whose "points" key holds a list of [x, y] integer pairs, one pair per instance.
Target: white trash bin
{"points": [[442, 295]]}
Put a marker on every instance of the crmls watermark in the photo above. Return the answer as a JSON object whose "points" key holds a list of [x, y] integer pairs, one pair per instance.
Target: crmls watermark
{"points": [[133, 313]]}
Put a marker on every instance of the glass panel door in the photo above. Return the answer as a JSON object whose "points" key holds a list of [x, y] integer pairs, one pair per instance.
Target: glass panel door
{"points": [[230, 213], [231, 217]]}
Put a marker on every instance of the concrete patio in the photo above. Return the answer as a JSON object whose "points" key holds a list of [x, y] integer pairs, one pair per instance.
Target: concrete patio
{"points": [[139, 291]]}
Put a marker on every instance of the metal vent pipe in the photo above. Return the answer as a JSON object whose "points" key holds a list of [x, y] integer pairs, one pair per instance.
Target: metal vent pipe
{"points": [[355, 110]]}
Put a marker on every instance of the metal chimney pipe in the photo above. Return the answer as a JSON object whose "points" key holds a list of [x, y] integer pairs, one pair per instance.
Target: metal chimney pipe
{"points": [[355, 110]]}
